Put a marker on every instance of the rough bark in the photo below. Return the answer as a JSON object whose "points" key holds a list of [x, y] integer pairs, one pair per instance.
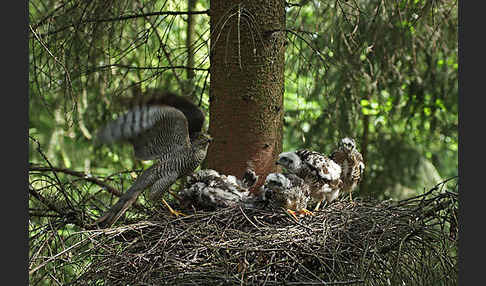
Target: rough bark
{"points": [[247, 85]]}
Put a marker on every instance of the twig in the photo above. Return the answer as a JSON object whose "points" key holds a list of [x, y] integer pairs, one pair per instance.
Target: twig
{"points": [[127, 17], [85, 176], [60, 184]]}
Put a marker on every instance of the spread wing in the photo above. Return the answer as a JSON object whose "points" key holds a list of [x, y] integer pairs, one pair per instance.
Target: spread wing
{"points": [[154, 130], [194, 115]]}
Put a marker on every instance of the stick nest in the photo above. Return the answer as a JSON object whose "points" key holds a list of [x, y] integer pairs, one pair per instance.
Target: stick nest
{"points": [[410, 242]]}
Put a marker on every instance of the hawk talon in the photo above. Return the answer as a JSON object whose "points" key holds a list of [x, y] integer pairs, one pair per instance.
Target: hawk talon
{"points": [[172, 211], [306, 212], [292, 213]]}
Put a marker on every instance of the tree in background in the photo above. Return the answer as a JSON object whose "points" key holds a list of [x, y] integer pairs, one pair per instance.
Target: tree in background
{"points": [[246, 91], [384, 73]]}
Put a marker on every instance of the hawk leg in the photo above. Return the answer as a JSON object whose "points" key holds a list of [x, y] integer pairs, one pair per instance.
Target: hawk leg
{"points": [[160, 186]]}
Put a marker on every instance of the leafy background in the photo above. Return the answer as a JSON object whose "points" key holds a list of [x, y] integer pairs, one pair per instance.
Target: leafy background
{"points": [[384, 72]]}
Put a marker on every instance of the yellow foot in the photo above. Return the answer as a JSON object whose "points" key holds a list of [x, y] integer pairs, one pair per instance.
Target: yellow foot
{"points": [[306, 212], [172, 211], [292, 213]]}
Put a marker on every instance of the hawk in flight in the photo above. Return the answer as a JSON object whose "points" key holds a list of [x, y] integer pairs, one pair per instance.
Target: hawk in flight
{"points": [[168, 129]]}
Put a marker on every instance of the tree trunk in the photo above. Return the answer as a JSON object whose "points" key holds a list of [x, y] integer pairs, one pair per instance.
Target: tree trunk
{"points": [[247, 85]]}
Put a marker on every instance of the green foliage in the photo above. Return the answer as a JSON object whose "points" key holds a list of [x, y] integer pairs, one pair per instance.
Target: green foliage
{"points": [[384, 72], [86, 55]]}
